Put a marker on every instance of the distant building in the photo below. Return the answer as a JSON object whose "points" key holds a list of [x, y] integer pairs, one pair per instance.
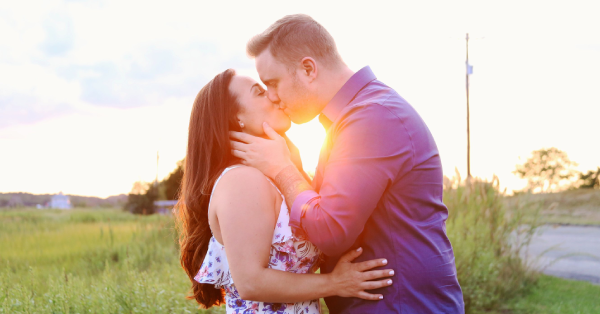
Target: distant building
{"points": [[164, 207], [60, 201]]}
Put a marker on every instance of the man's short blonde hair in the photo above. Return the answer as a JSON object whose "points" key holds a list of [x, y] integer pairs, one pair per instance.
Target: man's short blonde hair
{"points": [[294, 37]]}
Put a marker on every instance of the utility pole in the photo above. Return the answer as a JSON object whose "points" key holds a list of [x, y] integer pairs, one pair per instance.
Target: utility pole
{"points": [[469, 71]]}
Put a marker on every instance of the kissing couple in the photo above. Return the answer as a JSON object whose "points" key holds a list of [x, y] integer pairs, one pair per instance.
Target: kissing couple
{"points": [[255, 228]]}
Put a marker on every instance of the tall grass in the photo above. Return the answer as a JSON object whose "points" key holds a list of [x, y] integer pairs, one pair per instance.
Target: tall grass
{"points": [[487, 238], [88, 261], [109, 261], [579, 207]]}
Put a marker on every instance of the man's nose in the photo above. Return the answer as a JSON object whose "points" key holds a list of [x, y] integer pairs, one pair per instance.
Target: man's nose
{"points": [[273, 97]]}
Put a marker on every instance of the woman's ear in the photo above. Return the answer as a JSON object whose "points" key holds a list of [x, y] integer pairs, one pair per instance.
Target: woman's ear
{"points": [[240, 120]]}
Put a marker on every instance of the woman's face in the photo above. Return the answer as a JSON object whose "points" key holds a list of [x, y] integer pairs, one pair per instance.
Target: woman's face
{"points": [[256, 108]]}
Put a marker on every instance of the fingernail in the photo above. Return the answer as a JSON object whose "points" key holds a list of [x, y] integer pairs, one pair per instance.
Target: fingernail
{"points": [[358, 250], [392, 273], [389, 282], [380, 297], [384, 262]]}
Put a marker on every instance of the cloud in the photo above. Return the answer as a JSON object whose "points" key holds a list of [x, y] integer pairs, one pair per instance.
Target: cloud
{"points": [[71, 55], [26, 108], [149, 76], [31, 93], [59, 35]]}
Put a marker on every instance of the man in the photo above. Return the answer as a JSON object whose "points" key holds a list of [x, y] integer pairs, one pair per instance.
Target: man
{"points": [[378, 184]]}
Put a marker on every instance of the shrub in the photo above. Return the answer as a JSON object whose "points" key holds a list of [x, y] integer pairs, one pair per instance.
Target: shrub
{"points": [[487, 239]]}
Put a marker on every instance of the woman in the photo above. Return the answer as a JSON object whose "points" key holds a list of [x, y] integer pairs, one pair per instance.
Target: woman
{"points": [[234, 221]]}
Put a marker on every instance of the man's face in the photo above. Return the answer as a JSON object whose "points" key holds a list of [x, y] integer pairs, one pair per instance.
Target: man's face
{"points": [[288, 88]]}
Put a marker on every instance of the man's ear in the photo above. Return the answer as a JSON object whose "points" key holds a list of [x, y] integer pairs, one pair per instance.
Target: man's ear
{"points": [[308, 68]]}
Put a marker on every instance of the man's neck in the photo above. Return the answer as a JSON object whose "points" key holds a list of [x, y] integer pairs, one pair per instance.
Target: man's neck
{"points": [[333, 81]]}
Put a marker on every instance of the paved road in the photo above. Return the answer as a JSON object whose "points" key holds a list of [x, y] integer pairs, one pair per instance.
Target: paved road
{"points": [[571, 252]]}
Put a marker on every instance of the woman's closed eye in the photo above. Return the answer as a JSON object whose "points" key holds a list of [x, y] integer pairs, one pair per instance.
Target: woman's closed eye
{"points": [[261, 92]]}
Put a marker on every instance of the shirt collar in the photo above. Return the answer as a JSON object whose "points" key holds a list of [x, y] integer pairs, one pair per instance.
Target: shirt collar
{"points": [[345, 95]]}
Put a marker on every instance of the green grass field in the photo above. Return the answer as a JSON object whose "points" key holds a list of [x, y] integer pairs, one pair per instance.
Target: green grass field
{"points": [[555, 296], [110, 261], [90, 261]]}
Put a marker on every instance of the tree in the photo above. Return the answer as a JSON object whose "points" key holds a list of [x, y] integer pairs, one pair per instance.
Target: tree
{"points": [[141, 199], [15, 201], [143, 194], [172, 183], [590, 180], [139, 187], [547, 170]]}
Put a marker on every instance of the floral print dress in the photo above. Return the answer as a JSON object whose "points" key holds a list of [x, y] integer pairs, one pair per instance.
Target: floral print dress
{"points": [[288, 253]]}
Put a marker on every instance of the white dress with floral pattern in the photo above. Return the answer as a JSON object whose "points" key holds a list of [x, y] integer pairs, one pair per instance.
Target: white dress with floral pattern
{"points": [[288, 253]]}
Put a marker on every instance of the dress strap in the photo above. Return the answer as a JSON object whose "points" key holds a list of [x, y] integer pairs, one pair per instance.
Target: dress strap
{"points": [[217, 181], [214, 187], [223, 173], [276, 188], [233, 167]]}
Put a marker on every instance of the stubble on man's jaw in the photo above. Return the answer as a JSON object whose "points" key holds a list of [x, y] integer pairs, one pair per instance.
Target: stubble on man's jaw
{"points": [[291, 183]]}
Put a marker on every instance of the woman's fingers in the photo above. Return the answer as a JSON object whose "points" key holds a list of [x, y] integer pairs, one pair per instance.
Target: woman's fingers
{"points": [[369, 296], [370, 285], [351, 255], [376, 274], [358, 277], [362, 266]]}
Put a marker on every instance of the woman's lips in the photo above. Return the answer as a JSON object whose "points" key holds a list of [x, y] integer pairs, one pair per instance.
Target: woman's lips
{"points": [[284, 112]]}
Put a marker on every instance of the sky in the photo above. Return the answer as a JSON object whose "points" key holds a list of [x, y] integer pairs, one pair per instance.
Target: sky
{"points": [[91, 90]]}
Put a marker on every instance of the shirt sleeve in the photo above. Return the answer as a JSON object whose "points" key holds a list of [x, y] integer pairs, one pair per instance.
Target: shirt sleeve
{"points": [[371, 148], [301, 203]]}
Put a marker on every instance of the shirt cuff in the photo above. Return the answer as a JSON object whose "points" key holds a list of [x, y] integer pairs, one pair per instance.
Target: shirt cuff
{"points": [[301, 204]]}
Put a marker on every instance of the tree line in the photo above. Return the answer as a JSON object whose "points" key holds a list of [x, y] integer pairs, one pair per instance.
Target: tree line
{"points": [[22, 199], [551, 170], [143, 194], [546, 170]]}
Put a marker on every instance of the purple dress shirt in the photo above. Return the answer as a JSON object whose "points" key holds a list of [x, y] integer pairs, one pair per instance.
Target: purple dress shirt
{"points": [[378, 186]]}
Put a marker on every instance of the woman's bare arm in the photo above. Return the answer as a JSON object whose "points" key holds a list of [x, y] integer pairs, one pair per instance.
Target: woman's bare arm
{"points": [[245, 206]]}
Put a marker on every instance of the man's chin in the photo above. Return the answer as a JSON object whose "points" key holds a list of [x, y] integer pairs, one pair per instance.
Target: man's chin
{"points": [[299, 120]]}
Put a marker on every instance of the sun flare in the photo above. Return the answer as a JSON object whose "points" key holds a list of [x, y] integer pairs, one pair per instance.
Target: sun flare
{"points": [[308, 137]]}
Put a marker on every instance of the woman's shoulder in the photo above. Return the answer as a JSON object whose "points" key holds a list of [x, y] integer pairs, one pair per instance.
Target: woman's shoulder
{"points": [[237, 172], [245, 181]]}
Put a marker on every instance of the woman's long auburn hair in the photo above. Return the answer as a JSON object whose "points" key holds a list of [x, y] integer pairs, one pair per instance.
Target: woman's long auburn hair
{"points": [[208, 154]]}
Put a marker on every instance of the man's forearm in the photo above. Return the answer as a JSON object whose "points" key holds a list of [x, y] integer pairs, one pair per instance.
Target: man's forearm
{"points": [[291, 183]]}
